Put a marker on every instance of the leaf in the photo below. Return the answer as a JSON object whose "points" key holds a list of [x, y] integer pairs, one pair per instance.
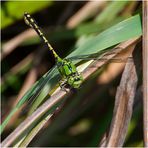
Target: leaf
{"points": [[130, 28], [13, 11], [112, 9]]}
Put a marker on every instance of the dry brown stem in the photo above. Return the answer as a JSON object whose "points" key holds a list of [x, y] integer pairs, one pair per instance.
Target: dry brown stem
{"points": [[84, 13], [145, 71], [30, 78], [29, 81], [18, 67], [123, 106], [9, 46], [130, 8]]}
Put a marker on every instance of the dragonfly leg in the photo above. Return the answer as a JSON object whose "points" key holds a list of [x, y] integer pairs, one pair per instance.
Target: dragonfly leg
{"points": [[63, 85]]}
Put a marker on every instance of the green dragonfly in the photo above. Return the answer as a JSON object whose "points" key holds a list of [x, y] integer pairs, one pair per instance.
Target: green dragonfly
{"points": [[64, 71], [68, 73], [70, 76]]}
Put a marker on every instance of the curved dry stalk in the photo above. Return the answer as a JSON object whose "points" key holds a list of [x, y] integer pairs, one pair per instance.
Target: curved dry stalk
{"points": [[56, 97], [9, 46], [103, 141], [123, 106], [130, 8], [145, 71], [59, 94], [29, 81], [84, 12], [39, 126], [18, 67], [34, 131]]}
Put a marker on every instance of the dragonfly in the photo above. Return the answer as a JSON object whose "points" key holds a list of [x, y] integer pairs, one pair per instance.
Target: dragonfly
{"points": [[70, 77], [64, 71]]}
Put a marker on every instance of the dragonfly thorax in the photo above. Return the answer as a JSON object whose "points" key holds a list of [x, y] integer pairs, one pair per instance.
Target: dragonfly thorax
{"points": [[69, 72]]}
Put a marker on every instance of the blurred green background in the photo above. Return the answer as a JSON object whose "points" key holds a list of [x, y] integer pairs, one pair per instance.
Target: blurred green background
{"points": [[24, 58]]}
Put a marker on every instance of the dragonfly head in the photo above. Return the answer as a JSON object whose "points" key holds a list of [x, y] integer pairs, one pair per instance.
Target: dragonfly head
{"points": [[75, 80]]}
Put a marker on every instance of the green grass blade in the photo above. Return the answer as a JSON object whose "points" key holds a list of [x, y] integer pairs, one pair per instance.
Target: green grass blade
{"points": [[63, 33], [29, 93], [130, 28], [112, 9], [10, 12]]}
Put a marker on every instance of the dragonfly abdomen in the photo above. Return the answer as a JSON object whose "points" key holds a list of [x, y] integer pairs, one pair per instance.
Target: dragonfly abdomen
{"points": [[66, 68]]}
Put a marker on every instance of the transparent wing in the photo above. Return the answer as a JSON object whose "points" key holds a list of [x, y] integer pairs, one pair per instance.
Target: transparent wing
{"points": [[39, 85], [116, 60], [100, 57]]}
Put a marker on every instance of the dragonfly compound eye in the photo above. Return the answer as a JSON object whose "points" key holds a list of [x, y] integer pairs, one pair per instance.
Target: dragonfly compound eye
{"points": [[75, 81]]}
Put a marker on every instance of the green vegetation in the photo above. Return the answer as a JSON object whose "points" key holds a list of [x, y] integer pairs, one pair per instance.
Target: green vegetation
{"points": [[87, 113]]}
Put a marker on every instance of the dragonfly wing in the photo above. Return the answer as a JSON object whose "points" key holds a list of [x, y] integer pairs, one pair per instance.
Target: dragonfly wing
{"points": [[91, 56], [100, 58], [42, 82]]}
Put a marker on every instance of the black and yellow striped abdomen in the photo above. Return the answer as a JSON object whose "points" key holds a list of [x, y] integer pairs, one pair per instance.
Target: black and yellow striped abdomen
{"points": [[32, 23]]}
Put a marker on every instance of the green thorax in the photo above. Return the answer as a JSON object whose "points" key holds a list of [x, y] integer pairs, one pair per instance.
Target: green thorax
{"points": [[69, 72], [66, 67]]}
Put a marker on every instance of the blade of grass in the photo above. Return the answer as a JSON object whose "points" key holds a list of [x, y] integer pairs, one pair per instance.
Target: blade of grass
{"points": [[112, 9], [120, 32], [9, 14], [27, 95]]}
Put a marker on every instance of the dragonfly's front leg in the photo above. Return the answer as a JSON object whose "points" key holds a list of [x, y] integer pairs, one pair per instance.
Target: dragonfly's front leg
{"points": [[63, 84]]}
